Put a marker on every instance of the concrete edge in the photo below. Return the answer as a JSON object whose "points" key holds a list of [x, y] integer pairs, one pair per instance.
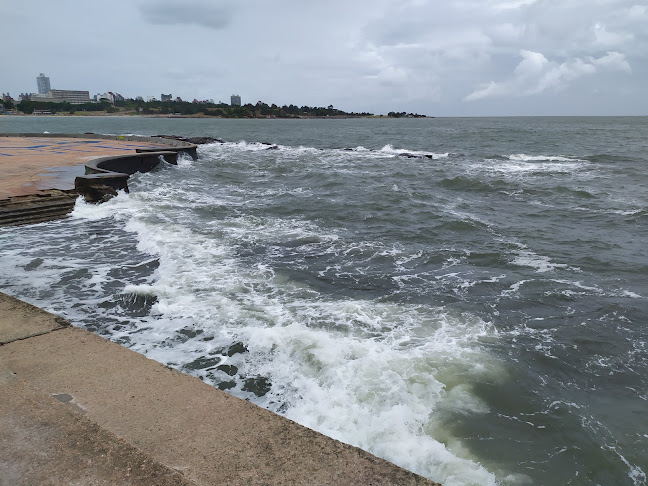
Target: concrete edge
{"points": [[62, 362], [27, 312]]}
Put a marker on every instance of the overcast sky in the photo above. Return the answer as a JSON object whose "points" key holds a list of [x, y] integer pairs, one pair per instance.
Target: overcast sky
{"points": [[444, 58]]}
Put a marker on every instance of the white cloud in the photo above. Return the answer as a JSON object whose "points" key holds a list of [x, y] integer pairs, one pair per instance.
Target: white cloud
{"points": [[535, 74], [613, 61], [610, 40], [532, 64], [489, 90]]}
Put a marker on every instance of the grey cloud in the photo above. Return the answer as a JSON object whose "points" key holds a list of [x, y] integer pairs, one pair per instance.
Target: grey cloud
{"points": [[211, 15]]}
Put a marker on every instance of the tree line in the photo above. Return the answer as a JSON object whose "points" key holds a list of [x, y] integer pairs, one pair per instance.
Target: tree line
{"points": [[223, 110], [259, 110], [28, 106]]}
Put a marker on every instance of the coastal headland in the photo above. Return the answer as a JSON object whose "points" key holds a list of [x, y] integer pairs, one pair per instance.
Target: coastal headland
{"points": [[78, 409]]}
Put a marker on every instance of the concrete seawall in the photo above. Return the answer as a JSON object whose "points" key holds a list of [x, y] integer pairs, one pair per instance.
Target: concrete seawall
{"points": [[78, 409]]}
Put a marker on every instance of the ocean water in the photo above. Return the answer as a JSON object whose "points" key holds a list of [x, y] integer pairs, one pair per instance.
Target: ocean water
{"points": [[467, 298]]}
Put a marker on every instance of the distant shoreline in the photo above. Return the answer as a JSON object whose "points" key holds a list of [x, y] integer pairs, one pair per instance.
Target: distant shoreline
{"points": [[130, 115], [202, 115]]}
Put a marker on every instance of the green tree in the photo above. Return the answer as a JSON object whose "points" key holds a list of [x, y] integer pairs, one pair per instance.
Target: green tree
{"points": [[26, 107]]}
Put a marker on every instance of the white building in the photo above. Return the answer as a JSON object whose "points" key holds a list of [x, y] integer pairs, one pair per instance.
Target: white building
{"points": [[104, 97], [109, 96], [59, 95]]}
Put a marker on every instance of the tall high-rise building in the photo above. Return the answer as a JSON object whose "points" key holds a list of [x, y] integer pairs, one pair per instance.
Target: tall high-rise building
{"points": [[43, 84], [235, 100]]}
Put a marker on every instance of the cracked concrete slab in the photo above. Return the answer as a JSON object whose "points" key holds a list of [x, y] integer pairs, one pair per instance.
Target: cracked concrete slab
{"points": [[20, 320], [44, 442]]}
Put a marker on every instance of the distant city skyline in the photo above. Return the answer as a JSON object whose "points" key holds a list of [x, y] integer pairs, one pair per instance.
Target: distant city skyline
{"points": [[474, 57], [45, 92]]}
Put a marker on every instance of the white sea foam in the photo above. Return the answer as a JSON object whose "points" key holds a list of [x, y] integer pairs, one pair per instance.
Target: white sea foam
{"points": [[525, 257], [632, 295], [550, 158], [367, 373], [289, 152], [541, 263], [514, 288], [635, 473], [388, 149], [520, 165]]}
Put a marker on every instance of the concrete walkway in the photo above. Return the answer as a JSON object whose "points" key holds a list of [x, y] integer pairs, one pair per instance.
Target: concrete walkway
{"points": [[76, 409], [30, 164]]}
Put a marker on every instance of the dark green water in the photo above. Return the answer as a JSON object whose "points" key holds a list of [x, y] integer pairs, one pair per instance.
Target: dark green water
{"points": [[465, 297]]}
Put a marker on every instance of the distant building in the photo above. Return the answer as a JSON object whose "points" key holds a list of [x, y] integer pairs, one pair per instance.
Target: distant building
{"points": [[178, 99], [60, 95], [24, 97], [41, 97], [71, 96], [164, 97], [43, 83], [235, 100], [150, 98], [105, 97], [139, 98], [109, 96]]}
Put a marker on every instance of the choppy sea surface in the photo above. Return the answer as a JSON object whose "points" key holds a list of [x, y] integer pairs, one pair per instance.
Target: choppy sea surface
{"points": [[467, 298]]}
